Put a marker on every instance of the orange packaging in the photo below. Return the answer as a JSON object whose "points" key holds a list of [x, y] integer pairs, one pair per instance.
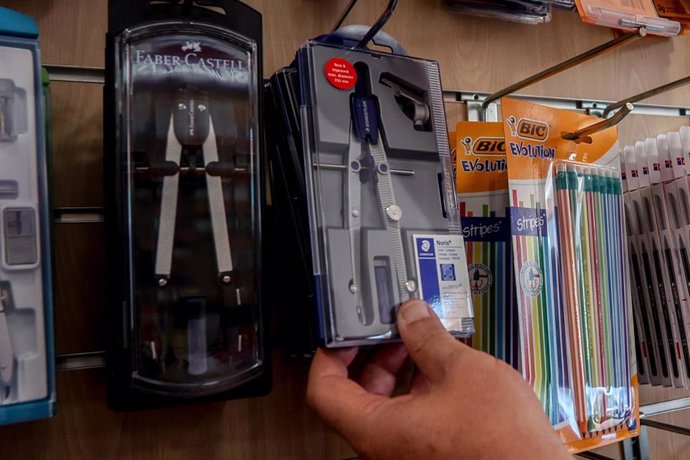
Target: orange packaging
{"points": [[626, 15], [481, 184], [675, 10], [553, 290]]}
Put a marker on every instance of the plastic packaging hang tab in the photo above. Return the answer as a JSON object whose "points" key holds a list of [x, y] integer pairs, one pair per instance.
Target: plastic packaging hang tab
{"points": [[570, 259], [384, 219]]}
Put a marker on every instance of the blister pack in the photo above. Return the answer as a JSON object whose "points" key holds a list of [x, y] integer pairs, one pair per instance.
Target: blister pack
{"points": [[570, 258], [382, 209], [620, 14], [184, 202], [27, 380]]}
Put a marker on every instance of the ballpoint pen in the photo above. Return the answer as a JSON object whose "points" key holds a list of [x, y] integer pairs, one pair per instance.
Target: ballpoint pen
{"points": [[661, 289], [646, 321], [663, 350], [676, 306]]}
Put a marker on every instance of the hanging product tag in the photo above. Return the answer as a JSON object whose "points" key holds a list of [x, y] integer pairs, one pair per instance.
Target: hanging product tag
{"points": [[620, 14], [27, 381], [570, 261], [184, 201], [481, 183]]}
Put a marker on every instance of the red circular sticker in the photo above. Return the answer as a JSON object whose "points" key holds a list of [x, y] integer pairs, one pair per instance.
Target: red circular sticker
{"points": [[340, 73]]}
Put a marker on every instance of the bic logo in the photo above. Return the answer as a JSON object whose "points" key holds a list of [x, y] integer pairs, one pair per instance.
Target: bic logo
{"points": [[529, 129], [489, 146], [484, 146]]}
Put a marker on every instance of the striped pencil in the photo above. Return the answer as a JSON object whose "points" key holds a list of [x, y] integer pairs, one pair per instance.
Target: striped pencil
{"points": [[571, 294]]}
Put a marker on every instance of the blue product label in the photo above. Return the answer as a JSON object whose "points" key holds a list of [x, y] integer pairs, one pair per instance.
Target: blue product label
{"points": [[425, 247], [485, 229], [528, 221], [441, 274]]}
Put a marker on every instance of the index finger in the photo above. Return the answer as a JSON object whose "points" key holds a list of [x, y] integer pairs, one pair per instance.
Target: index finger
{"points": [[341, 402]]}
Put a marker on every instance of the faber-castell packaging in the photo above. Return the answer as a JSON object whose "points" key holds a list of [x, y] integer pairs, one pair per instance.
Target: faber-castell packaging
{"points": [[183, 174]]}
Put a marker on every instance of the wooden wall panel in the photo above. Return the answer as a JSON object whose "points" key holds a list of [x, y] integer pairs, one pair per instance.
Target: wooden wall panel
{"points": [[475, 54]]}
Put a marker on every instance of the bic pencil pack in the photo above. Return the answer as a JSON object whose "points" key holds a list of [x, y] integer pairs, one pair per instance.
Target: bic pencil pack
{"points": [[27, 378], [570, 258], [481, 183]]}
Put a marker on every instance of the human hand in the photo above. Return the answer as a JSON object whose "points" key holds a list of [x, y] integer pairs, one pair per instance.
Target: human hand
{"points": [[462, 403]]}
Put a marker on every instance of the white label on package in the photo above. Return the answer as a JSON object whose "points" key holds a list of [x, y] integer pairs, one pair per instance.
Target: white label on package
{"points": [[442, 275]]}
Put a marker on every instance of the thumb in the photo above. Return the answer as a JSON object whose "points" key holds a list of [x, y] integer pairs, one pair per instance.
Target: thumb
{"points": [[431, 347]]}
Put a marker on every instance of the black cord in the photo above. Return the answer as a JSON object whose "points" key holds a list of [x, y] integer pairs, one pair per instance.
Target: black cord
{"points": [[344, 15], [379, 24]]}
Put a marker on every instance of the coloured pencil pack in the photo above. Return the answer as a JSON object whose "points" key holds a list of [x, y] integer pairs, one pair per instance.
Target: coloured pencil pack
{"points": [[570, 265], [481, 183]]}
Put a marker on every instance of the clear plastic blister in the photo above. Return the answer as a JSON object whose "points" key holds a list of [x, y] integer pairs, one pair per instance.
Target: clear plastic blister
{"points": [[571, 267], [383, 215], [188, 137], [588, 230]]}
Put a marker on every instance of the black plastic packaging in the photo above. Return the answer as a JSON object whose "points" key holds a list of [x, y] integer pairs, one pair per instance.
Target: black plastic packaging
{"points": [[184, 201]]}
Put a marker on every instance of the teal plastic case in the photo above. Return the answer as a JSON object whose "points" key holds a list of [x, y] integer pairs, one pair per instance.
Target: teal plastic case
{"points": [[27, 357]]}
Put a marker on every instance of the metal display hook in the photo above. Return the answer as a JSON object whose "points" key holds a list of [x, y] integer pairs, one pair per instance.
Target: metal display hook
{"points": [[572, 62], [346, 12], [647, 94], [378, 25], [581, 134]]}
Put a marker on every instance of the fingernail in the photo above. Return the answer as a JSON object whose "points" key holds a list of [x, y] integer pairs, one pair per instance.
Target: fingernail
{"points": [[414, 310]]}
